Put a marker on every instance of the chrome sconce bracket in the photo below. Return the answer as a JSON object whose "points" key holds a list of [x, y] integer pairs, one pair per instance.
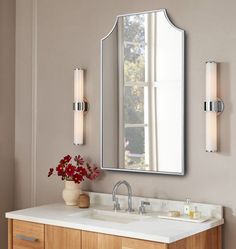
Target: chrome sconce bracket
{"points": [[214, 106], [80, 106]]}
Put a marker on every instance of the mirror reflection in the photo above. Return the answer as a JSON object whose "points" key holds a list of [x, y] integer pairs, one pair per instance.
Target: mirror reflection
{"points": [[143, 95]]}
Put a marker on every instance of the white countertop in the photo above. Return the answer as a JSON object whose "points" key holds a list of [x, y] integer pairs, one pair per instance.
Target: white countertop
{"points": [[153, 229]]}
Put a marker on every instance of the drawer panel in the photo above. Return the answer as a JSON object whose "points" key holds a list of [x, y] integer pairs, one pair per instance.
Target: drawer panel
{"points": [[128, 243], [62, 238], [28, 235]]}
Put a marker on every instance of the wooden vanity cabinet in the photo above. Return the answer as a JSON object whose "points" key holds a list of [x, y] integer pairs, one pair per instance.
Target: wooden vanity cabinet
{"points": [[29, 235]]}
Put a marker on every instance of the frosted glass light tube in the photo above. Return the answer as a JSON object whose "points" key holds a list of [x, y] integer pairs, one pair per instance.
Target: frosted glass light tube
{"points": [[78, 114], [211, 116]]}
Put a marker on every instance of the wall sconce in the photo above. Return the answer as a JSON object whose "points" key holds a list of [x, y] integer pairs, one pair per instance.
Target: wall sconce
{"points": [[212, 106], [79, 106]]}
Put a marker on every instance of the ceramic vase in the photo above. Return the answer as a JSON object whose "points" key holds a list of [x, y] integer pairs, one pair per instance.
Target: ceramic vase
{"points": [[71, 193]]}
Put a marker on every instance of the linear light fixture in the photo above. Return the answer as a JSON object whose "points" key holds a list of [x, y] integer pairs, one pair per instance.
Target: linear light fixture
{"points": [[212, 106], [79, 106]]}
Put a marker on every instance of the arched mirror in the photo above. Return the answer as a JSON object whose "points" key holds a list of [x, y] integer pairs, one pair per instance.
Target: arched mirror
{"points": [[142, 95]]}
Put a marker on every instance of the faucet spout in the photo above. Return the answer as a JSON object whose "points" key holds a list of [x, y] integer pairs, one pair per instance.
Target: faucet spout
{"points": [[114, 199]]}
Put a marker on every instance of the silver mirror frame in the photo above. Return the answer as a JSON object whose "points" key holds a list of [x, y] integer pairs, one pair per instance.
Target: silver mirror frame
{"points": [[182, 101]]}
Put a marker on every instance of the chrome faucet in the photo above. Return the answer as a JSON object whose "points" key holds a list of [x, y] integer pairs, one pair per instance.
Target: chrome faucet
{"points": [[115, 199]]}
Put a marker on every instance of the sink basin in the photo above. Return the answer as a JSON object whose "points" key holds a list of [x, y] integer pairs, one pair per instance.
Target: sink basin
{"points": [[111, 216]]}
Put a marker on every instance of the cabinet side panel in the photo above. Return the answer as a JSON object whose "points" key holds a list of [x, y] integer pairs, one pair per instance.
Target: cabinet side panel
{"points": [[181, 244], [10, 234], [210, 239], [220, 237], [213, 238]]}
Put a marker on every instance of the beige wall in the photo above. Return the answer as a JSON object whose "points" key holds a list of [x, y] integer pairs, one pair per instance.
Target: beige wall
{"points": [[7, 112], [24, 104], [68, 35]]}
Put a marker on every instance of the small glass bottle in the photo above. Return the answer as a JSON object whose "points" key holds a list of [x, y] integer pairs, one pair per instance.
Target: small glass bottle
{"points": [[191, 213], [196, 214], [187, 207]]}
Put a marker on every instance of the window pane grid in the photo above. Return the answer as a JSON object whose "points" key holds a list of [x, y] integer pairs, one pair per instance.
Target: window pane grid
{"points": [[135, 43], [135, 125]]}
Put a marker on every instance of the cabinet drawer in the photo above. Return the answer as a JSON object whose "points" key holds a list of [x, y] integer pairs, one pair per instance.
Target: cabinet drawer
{"points": [[128, 243], [62, 238], [28, 235]]}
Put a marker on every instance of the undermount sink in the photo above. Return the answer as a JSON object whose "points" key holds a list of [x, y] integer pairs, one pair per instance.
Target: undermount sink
{"points": [[111, 216]]}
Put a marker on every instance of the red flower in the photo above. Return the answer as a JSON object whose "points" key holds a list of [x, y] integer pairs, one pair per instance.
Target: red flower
{"points": [[50, 172], [70, 170], [76, 173], [67, 158], [60, 169], [77, 178], [79, 159], [82, 171], [93, 171]]}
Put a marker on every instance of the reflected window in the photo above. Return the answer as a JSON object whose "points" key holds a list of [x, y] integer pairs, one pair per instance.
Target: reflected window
{"points": [[136, 42], [147, 88]]}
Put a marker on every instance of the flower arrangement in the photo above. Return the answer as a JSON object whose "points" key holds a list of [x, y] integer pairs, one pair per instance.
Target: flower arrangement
{"points": [[77, 171]]}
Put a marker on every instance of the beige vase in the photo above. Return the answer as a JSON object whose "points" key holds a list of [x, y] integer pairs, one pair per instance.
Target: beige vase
{"points": [[71, 193]]}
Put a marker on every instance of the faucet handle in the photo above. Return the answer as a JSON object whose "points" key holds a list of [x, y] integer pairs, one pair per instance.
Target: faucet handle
{"points": [[142, 209], [116, 204], [143, 203]]}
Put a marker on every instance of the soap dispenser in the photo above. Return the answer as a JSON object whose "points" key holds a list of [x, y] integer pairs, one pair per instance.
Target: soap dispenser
{"points": [[187, 207]]}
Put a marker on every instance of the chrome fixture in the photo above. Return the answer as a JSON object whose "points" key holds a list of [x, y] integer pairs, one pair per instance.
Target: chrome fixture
{"points": [[212, 106], [116, 204], [79, 106], [115, 199], [142, 209]]}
